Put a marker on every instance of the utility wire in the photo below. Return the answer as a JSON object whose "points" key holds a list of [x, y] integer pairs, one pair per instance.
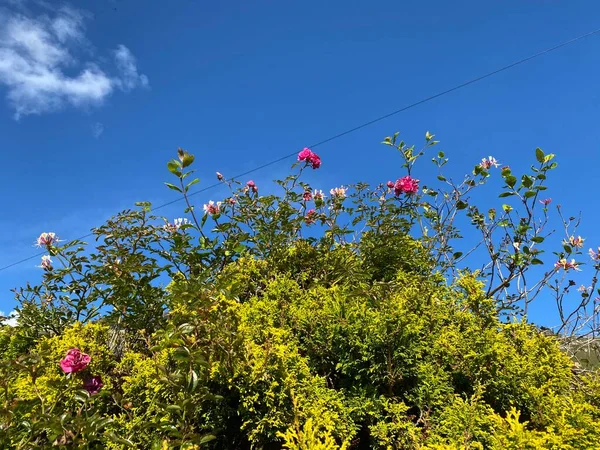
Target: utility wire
{"points": [[356, 128]]}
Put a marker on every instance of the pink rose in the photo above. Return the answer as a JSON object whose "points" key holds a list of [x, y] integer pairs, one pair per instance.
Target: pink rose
{"points": [[407, 185], [75, 361], [251, 185], [93, 384], [304, 154], [312, 159]]}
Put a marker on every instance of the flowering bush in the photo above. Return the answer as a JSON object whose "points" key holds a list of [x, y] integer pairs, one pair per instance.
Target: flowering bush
{"points": [[304, 320]]}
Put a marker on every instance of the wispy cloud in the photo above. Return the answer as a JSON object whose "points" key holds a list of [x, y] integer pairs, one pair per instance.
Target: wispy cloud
{"points": [[40, 68], [97, 129], [12, 321]]}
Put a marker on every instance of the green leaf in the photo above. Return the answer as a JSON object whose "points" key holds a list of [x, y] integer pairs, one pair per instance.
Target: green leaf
{"points": [[461, 205], [539, 155], [507, 208], [188, 159], [193, 381], [537, 239], [526, 181], [441, 178], [457, 255], [536, 261], [530, 194], [191, 183], [206, 438], [174, 167], [511, 180], [172, 186], [506, 194]]}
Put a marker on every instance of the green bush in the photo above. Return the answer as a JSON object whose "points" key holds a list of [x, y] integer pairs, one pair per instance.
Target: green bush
{"points": [[267, 323]]}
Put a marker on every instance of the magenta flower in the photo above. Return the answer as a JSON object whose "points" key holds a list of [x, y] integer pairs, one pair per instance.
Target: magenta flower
{"points": [[390, 184], [546, 201], [304, 154], [74, 361], [307, 196], [93, 384], [407, 185], [310, 216], [46, 240], [312, 159]]}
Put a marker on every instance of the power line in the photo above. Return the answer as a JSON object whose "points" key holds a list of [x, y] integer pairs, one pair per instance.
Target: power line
{"points": [[356, 128]]}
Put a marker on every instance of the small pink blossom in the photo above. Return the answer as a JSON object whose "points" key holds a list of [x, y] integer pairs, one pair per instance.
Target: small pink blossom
{"points": [[390, 184], [307, 196], [46, 263], [176, 225], [487, 163], [407, 185], [232, 201], [566, 265], [573, 241], [595, 255], [339, 193], [309, 218], [212, 208], [252, 186], [310, 157], [74, 361], [220, 176], [318, 194], [93, 384], [546, 201], [46, 240], [583, 289]]}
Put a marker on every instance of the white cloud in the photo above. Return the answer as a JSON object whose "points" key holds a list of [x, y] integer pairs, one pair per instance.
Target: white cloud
{"points": [[12, 322], [97, 129], [130, 78], [40, 68]]}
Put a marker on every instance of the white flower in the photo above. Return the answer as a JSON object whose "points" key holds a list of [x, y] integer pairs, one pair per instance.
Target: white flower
{"points": [[338, 192]]}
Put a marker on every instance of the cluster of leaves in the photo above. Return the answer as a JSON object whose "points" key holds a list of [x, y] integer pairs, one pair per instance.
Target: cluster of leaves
{"points": [[295, 321]]}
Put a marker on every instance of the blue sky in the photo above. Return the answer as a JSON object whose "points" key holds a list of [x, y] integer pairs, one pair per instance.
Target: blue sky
{"points": [[121, 84]]}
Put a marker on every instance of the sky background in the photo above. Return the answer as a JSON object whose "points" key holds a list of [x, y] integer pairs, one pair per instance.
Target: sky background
{"points": [[96, 96]]}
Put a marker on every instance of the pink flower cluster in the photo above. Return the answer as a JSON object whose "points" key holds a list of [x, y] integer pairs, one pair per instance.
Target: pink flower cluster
{"points": [[176, 225], [566, 265], [310, 216], [312, 159], [339, 192], [574, 241], [251, 186], [546, 201], [487, 163], [46, 240], [76, 361], [46, 263], [212, 208], [595, 255], [406, 185]]}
